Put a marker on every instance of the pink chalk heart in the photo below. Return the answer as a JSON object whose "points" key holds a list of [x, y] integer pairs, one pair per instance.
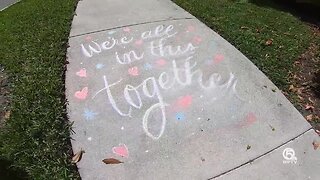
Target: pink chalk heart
{"points": [[178, 39], [126, 29], [121, 150], [197, 39], [218, 58], [190, 28], [161, 62], [184, 101], [138, 42], [134, 71], [82, 95], [82, 73], [251, 118], [88, 38]]}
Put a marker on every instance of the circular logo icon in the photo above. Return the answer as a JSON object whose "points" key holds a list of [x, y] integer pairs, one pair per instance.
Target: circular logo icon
{"points": [[288, 154]]}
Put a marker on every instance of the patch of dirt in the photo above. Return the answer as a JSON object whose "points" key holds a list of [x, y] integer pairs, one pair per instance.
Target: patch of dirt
{"points": [[4, 99], [306, 82]]}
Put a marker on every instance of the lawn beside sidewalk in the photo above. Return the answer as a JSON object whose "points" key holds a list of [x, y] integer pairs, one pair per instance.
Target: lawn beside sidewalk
{"points": [[274, 40], [271, 39], [36, 137]]}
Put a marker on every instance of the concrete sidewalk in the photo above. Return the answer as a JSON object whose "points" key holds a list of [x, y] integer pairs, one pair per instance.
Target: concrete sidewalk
{"points": [[7, 3], [151, 86]]}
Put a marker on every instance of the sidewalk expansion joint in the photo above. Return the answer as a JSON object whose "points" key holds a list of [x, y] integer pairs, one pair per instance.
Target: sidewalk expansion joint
{"points": [[260, 156], [129, 25]]}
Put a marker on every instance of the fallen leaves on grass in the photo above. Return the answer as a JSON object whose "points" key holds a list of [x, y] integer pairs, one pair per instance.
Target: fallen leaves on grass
{"points": [[77, 157], [309, 117], [309, 107], [316, 145], [310, 100], [269, 42], [7, 115], [300, 97], [292, 88], [111, 161]]}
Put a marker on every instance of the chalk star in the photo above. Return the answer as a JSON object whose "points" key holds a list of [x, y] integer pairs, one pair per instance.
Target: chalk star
{"points": [[99, 66], [89, 115], [112, 32], [180, 116], [213, 44], [147, 66], [208, 61]]}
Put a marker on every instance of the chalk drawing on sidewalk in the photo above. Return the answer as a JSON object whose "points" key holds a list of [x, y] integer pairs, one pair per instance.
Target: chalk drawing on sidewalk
{"points": [[99, 66], [121, 150], [180, 116], [111, 32], [82, 94], [147, 66], [155, 67], [133, 71], [89, 114], [82, 73]]}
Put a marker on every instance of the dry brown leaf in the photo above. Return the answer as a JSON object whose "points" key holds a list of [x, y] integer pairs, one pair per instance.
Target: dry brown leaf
{"points": [[299, 90], [111, 161], [309, 107], [7, 114], [292, 88], [316, 145], [296, 63], [77, 157], [311, 100], [269, 42], [309, 117], [296, 77], [244, 27]]}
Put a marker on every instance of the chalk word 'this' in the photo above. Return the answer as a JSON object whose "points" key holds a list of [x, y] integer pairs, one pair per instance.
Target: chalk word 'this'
{"points": [[158, 49]]}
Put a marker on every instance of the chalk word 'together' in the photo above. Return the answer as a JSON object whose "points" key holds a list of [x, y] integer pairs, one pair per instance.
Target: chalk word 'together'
{"points": [[151, 87]]}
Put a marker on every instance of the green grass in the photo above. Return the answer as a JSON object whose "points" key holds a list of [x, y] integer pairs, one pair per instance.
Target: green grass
{"points": [[248, 26], [34, 36]]}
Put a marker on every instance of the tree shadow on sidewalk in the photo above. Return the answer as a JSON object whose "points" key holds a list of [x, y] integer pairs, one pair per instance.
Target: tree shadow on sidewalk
{"points": [[307, 12]]}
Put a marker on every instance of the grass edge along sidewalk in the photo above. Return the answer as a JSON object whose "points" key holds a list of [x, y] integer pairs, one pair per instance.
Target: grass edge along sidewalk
{"points": [[36, 138], [270, 37]]}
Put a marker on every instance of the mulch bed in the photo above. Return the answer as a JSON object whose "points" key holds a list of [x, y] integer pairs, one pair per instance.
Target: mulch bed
{"points": [[306, 82]]}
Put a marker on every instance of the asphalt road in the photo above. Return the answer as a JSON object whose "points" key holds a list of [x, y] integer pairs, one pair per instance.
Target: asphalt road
{"points": [[6, 3]]}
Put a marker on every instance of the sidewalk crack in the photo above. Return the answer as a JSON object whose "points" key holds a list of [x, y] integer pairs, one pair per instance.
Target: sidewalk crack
{"points": [[149, 22], [262, 155]]}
